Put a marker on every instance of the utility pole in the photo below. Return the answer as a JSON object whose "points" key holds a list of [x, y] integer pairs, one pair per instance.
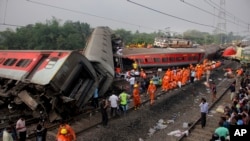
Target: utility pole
{"points": [[221, 24]]}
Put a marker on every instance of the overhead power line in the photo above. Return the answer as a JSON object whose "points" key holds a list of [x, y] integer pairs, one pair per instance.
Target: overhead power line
{"points": [[207, 11], [216, 6], [89, 14], [5, 11], [166, 14], [5, 24]]}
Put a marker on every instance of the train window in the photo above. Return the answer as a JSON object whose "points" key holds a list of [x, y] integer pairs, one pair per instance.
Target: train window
{"points": [[190, 58], [148, 60], [157, 60], [139, 60], [195, 58], [51, 63], [171, 59], [23, 63], [179, 58], [10, 62], [164, 59], [1, 60]]}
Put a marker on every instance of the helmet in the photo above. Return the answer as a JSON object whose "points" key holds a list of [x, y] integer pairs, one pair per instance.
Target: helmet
{"points": [[135, 85], [63, 131], [151, 82]]}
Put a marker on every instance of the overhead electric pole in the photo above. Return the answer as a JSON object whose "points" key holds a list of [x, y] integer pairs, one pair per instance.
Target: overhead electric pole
{"points": [[221, 23]]}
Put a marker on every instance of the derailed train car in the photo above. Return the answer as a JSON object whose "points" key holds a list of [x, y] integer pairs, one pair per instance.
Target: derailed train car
{"points": [[100, 54], [167, 57], [58, 83]]}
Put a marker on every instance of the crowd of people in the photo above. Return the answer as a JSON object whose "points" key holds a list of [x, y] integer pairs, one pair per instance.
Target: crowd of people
{"points": [[236, 112]]}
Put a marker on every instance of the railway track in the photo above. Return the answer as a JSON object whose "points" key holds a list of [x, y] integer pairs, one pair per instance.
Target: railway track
{"points": [[196, 133]]}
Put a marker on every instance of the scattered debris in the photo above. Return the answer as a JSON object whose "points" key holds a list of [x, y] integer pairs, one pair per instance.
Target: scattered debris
{"points": [[140, 139], [159, 126], [178, 133], [220, 109], [185, 125], [170, 121]]}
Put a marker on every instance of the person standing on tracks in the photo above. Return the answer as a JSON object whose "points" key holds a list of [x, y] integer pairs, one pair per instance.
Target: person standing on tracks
{"points": [[103, 107], [204, 110], [13, 130], [113, 101], [41, 133], [192, 75], [21, 128], [208, 72], [136, 97], [70, 131], [7, 134], [123, 98], [232, 89], [213, 91], [151, 91], [131, 81], [95, 99]]}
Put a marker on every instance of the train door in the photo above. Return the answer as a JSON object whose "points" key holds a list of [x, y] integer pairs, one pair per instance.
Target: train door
{"points": [[41, 58]]}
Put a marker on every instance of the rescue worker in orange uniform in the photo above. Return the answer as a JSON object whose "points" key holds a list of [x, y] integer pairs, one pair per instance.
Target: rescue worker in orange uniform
{"points": [[198, 72], [179, 77], [63, 135], [165, 83], [151, 91], [136, 97], [239, 73], [168, 73], [70, 132], [184, 77]]}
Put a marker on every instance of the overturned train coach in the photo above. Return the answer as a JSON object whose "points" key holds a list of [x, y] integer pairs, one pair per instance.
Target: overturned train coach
{"points": [[59, 83]]}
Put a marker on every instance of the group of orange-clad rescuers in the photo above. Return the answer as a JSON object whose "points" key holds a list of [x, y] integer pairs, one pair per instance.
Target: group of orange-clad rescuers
{"points": [[65, 133], [174, 78]]}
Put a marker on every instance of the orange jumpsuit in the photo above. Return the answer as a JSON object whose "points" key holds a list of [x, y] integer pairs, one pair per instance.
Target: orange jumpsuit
{"points": [[168, 73], [199, 72], [165, 83], [61, 137], [151, 92], [136, 97], [217, 64], [239, 72], [71, 133], [184, 77]]}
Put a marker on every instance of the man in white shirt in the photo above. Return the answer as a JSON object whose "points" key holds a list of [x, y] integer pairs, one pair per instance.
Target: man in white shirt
{"points": [[21, 128], [204, 110], [131, 83], [113, 100]]}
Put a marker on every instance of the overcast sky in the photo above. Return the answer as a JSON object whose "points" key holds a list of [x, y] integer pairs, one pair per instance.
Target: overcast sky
{"points": [[173, 15]]}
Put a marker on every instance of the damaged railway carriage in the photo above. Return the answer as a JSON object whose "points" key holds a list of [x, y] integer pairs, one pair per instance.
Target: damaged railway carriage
{"points": [[167, 57], [59, 83], [99, 52]]}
